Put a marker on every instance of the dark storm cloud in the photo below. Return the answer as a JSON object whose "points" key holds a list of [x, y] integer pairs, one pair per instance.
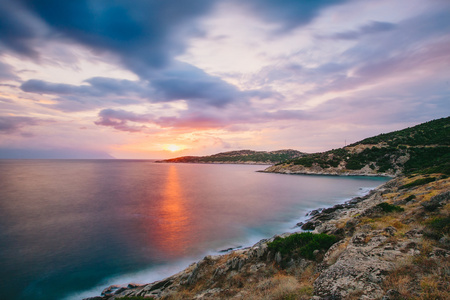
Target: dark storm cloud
{"points": [[368, 29], [144, 33], [11, 124]]}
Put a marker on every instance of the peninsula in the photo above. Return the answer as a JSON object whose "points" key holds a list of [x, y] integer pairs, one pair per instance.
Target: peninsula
{"points": [[392, 243], [241, 157]]}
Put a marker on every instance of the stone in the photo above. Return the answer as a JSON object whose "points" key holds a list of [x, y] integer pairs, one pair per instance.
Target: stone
{"points": [[110, 290], [436, 201], [392, 295]]}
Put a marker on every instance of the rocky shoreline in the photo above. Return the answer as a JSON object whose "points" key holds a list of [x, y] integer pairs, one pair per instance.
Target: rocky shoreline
{"points": [[372, 245], [315, 169]]}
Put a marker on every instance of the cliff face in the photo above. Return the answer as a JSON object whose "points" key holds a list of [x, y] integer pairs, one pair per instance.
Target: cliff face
{"points": [[392, 243]]}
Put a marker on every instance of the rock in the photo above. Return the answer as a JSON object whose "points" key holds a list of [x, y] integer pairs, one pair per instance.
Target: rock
{"points": [[445, 241], [299, 224], [315, 212], [436, 201], [390, 230], [111, 290], [414, 233], [438, 252], [392, 295], [309, 225], [133, 285]]}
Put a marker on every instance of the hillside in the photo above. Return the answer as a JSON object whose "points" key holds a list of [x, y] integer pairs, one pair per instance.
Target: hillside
{"points": [[423, 148], [241, 157], [390, 244]]}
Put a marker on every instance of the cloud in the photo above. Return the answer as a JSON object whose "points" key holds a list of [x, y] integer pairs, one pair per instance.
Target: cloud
{"points": [[368, 29], [144, 33], [11, 124], [54, 153], [289, 14], [96, 87], [18, 29], [119, 120], [186, 82], [6, 72], [179, 82]]}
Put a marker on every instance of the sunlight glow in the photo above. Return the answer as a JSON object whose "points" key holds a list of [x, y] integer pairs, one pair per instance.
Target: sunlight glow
{"points": [[173, 148]]}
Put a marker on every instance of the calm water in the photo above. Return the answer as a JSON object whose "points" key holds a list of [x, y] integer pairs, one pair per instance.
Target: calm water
{"points": [[68, 228]]}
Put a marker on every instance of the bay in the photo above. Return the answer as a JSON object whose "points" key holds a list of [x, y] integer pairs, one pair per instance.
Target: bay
{"points": [[69, 228]]}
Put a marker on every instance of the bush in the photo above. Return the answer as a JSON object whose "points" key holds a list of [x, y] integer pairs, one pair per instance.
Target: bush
{"points": [[441, 225], [410, 197], [386, 207], [304, 244], [418, 182]]}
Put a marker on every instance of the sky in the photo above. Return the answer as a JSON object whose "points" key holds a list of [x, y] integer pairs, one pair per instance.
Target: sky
{"points": [[152, 79]]}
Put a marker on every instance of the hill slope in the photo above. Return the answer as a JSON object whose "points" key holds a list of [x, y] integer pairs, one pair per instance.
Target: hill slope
{"points": [[241, 157], [423, 148]]}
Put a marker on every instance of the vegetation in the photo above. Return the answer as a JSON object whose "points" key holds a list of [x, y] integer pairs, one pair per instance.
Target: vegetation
{"points": [[434, 132], [304, 244], [386, 207], [418, 182], [241, 156], [424, 149], [437, 227]]}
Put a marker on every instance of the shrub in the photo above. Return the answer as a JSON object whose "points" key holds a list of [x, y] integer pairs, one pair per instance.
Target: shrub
{"points": [[304, 244], [410, 197], [418, 182], [386, 207], [440, 224]]}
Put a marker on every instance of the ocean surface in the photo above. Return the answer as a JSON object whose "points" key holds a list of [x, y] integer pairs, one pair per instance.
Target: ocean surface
{"points": [[69, 228]]}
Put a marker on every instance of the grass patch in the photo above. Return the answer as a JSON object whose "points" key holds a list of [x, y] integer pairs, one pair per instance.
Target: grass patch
{"points": [[386, 207], [304, 244], [418, 182]]}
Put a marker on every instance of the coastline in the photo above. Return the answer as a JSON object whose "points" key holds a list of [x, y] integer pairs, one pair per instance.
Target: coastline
{"points": [[372, 244], [260, 247]]}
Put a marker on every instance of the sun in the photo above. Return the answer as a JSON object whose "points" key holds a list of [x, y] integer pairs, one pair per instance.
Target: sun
{"points": [[173, 148]]}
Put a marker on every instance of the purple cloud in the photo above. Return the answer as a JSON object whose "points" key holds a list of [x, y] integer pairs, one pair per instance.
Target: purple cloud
{"points": [[11, 124], [368, 29]]}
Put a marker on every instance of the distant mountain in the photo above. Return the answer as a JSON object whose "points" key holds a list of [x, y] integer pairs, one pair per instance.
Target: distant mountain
{"points": [[241, 157], [424, 148]]}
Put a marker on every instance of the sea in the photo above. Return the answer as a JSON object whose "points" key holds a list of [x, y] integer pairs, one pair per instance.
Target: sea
{"points": [[70, 228]]}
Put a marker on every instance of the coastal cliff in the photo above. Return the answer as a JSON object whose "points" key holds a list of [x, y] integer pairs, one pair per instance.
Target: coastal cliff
{"points": [[392, 243]]}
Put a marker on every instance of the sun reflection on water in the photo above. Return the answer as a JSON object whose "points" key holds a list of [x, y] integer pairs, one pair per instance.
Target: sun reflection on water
{"points": [[174, 217]]}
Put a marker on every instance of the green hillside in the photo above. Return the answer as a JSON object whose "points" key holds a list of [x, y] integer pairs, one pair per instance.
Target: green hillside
{"points": [[242, 156], [423, 148]]}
